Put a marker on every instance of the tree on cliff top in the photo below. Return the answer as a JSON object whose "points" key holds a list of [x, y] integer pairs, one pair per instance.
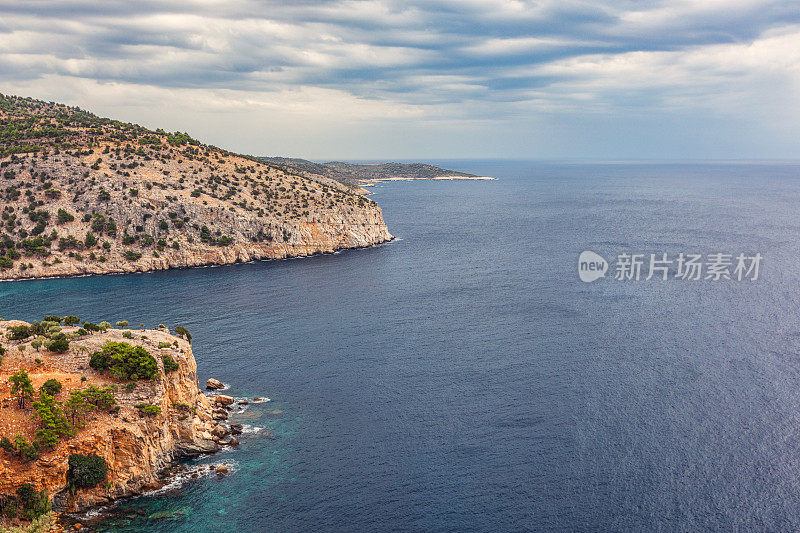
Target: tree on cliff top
{"points": [[125, 361], [22, 387]]}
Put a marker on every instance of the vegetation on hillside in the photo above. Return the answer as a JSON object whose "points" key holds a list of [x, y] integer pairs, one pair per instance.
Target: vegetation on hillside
{"points": [[80, 188], [59, 414]]}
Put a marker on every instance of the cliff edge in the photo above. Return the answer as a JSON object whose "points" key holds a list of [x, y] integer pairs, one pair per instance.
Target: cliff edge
{"points": [[137, 426]]}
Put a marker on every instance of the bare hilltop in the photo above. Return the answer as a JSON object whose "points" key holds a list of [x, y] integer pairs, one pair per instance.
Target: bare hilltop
{"points": [[83, 194]]}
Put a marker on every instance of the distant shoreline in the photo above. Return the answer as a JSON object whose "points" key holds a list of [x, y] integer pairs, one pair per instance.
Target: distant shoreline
{"points": [[370, 182]]}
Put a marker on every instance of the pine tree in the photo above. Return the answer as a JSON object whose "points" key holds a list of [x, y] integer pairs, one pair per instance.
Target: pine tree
{"points": [[22, 387]]}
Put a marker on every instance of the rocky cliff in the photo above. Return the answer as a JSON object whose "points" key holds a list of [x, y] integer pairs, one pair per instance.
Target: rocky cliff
{"points": [[87, 195], [135, 446]]}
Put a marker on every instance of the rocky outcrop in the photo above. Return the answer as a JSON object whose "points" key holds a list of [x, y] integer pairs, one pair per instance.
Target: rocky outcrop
{"points": [[136, 447], [214, 384]]}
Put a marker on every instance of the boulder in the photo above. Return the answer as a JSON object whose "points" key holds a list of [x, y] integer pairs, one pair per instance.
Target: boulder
{"points": [[243, 402], [233, 441], [220, 414], [236, 429], [214, 384], [222, 469], [223, 400], [220, 432]]}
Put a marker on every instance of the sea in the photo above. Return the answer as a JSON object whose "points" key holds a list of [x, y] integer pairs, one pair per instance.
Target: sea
{"points": [[463, 378]]}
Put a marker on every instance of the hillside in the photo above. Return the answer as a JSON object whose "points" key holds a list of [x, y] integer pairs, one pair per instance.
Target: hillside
{"points": [[90, 195], [127, 414], [355, 173]]}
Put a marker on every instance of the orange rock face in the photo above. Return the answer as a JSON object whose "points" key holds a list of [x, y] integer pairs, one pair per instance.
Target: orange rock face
{"points": [[136, 448]]}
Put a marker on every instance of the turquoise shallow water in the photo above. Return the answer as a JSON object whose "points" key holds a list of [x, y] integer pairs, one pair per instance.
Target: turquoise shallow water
{"points": [[462, 378]]}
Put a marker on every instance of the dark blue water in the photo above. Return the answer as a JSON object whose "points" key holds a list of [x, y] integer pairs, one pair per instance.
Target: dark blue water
{"points": [[464, 379]]}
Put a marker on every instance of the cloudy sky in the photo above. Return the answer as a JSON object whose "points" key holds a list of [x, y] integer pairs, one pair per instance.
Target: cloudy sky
{"points": [[553, 79]]}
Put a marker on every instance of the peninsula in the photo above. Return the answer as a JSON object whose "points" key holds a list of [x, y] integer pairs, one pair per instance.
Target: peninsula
{"points": [[361, 174], [89, 195]]}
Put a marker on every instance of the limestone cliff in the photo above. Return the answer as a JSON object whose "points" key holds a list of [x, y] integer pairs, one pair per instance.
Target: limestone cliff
{"points": [[136, 447], [88, 195]]}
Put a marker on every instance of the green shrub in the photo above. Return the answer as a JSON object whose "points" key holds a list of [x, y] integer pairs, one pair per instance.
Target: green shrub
{"points": [[34, 503], [125, 361], [10, 510], [46, 438], [52, 420], [86, 470], [18, 333], [65, 216], [52, 318], [58, 345], [163, 345], [148, 409], [70, 320], [169, 364], [28, 451], [183, 332], [7, 445], [81, 402], [122, 324], [127, 334], [51, 387], [100, 398]]}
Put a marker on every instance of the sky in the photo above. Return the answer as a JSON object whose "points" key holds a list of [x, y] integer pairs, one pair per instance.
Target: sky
{"points": [[425, 79]]}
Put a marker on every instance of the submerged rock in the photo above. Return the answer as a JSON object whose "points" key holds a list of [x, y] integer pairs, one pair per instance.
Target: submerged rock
{"points": [[165, 515]]}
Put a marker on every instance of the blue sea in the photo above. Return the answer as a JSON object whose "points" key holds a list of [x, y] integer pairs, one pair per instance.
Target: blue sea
{"points": [[463, 378]]}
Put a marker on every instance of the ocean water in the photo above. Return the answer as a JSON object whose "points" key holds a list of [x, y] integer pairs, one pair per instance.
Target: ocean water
{"points": [[463, 378]]}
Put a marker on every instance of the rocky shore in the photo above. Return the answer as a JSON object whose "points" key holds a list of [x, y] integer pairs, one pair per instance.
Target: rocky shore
{"points": [[137, 435], [312, 239]]}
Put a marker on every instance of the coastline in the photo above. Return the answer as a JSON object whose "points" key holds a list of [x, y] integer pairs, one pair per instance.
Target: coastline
{"points": [[139, 430], [241, 254], [180, 471], [370, 182]]}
